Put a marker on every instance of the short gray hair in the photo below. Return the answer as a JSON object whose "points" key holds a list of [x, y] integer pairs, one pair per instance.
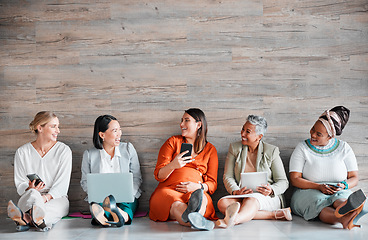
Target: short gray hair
{"points": [[259, 122]]}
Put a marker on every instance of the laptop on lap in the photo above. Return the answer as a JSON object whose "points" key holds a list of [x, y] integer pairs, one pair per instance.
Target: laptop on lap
{"points": [[101, 185]]}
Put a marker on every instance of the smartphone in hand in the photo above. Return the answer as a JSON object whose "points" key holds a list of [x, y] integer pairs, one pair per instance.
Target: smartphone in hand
{"points": [[333, 185], [34, 176], [185, 147]]}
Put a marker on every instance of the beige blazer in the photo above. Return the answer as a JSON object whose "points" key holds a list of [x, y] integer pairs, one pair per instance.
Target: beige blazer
{"points": [[268, 160]]}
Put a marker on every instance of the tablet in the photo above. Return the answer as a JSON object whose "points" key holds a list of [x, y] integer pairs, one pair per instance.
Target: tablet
{"points": [[253, 179]]}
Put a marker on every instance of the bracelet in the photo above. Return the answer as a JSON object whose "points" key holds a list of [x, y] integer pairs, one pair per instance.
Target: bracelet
{"points": [[346, 184], [47, 198]]}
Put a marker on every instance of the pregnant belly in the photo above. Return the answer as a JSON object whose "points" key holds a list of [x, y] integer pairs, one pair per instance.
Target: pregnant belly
{"points": [[184, 174]]}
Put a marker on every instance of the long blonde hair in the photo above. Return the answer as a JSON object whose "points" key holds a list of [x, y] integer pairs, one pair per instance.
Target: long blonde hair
{"points": [[41, 118]]}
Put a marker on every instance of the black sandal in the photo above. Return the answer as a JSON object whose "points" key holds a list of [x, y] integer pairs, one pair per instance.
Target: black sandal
{"points": [[98, 215], [17, 216], [194, 204], [109, 205]]}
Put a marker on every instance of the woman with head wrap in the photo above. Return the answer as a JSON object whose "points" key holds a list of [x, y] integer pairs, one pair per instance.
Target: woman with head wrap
{"points": [[324, 169]]}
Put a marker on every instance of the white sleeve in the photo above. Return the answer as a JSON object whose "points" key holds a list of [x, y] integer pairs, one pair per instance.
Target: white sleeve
{"points": [[297, 159], [349, 158], [20, 173], [61, 182]]}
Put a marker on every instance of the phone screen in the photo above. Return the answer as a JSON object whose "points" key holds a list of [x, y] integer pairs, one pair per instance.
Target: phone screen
{"points": [[34, 176], [185, 147]]}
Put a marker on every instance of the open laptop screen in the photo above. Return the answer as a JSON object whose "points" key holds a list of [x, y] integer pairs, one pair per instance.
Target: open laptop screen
{"points": [[101, 185]]}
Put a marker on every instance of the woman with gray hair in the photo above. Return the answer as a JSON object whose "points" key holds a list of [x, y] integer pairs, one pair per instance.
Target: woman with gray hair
{"points": [[251, 154]]}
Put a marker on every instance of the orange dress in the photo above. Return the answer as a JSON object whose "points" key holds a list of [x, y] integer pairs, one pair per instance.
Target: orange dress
{"points": [[203, 169]]}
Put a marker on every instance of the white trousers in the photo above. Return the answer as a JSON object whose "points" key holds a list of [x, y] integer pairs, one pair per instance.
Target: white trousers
{"points": [[54, 209]]}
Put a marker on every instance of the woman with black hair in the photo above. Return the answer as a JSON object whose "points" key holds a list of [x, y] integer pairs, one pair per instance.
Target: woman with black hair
{"points": [[186, 182], [111, 156]]}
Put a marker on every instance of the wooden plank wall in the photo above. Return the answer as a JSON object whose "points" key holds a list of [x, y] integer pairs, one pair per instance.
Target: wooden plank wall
{"points": [[145, 62]]}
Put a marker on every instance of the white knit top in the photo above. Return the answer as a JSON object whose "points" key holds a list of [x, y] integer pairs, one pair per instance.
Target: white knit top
{"points": [[330, 163]]}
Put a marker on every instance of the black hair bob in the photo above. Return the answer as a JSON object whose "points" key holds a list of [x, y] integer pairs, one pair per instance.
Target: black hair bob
{"points": [[101, 125]]}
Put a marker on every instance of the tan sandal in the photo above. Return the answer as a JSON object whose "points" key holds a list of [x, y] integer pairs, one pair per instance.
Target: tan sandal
{"points": [[38, 221], [17, 216], [286, 214]]}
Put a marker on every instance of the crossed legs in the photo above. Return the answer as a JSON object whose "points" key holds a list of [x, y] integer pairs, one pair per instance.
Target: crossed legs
{"points": [[249, 209], [327, 215], [177, 209]]}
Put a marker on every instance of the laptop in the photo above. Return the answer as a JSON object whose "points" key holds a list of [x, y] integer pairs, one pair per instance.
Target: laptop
{"points": [[253, 179], [101, 185]]}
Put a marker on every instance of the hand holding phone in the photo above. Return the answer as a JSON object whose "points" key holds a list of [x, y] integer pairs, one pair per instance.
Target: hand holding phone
{"points": [[334, 185], [186, 147], [34, 176]]}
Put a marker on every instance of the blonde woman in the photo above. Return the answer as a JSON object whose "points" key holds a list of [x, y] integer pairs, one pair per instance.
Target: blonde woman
{"points": [[42, 202]]}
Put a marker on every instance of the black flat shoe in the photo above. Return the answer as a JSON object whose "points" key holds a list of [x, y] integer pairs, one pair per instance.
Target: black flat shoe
{"points": [[38, 216], [199, 222], [194, 204], [17, 216], [109, 205], [355, 200], [98, 215]]}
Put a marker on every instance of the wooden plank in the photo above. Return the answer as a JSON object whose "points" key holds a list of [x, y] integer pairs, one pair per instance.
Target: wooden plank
{"points": [[146, 62]]}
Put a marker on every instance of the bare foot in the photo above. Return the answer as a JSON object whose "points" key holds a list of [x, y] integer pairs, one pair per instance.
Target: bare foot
{"points": [[124, 214], [231, 213], [221, 223]]}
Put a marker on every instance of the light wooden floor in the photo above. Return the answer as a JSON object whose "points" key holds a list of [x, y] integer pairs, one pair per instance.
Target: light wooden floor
{"points": [[143, 228]]}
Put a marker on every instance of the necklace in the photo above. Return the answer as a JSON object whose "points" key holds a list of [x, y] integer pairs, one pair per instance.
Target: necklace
{"points": [[42, 152], [39, 149]]}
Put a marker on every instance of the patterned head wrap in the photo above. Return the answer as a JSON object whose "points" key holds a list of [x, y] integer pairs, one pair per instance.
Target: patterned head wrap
{"points": [[335, 120]]}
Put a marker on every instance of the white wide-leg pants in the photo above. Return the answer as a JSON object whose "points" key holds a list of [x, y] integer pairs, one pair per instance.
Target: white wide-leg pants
{"points": [[54, 209]]}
